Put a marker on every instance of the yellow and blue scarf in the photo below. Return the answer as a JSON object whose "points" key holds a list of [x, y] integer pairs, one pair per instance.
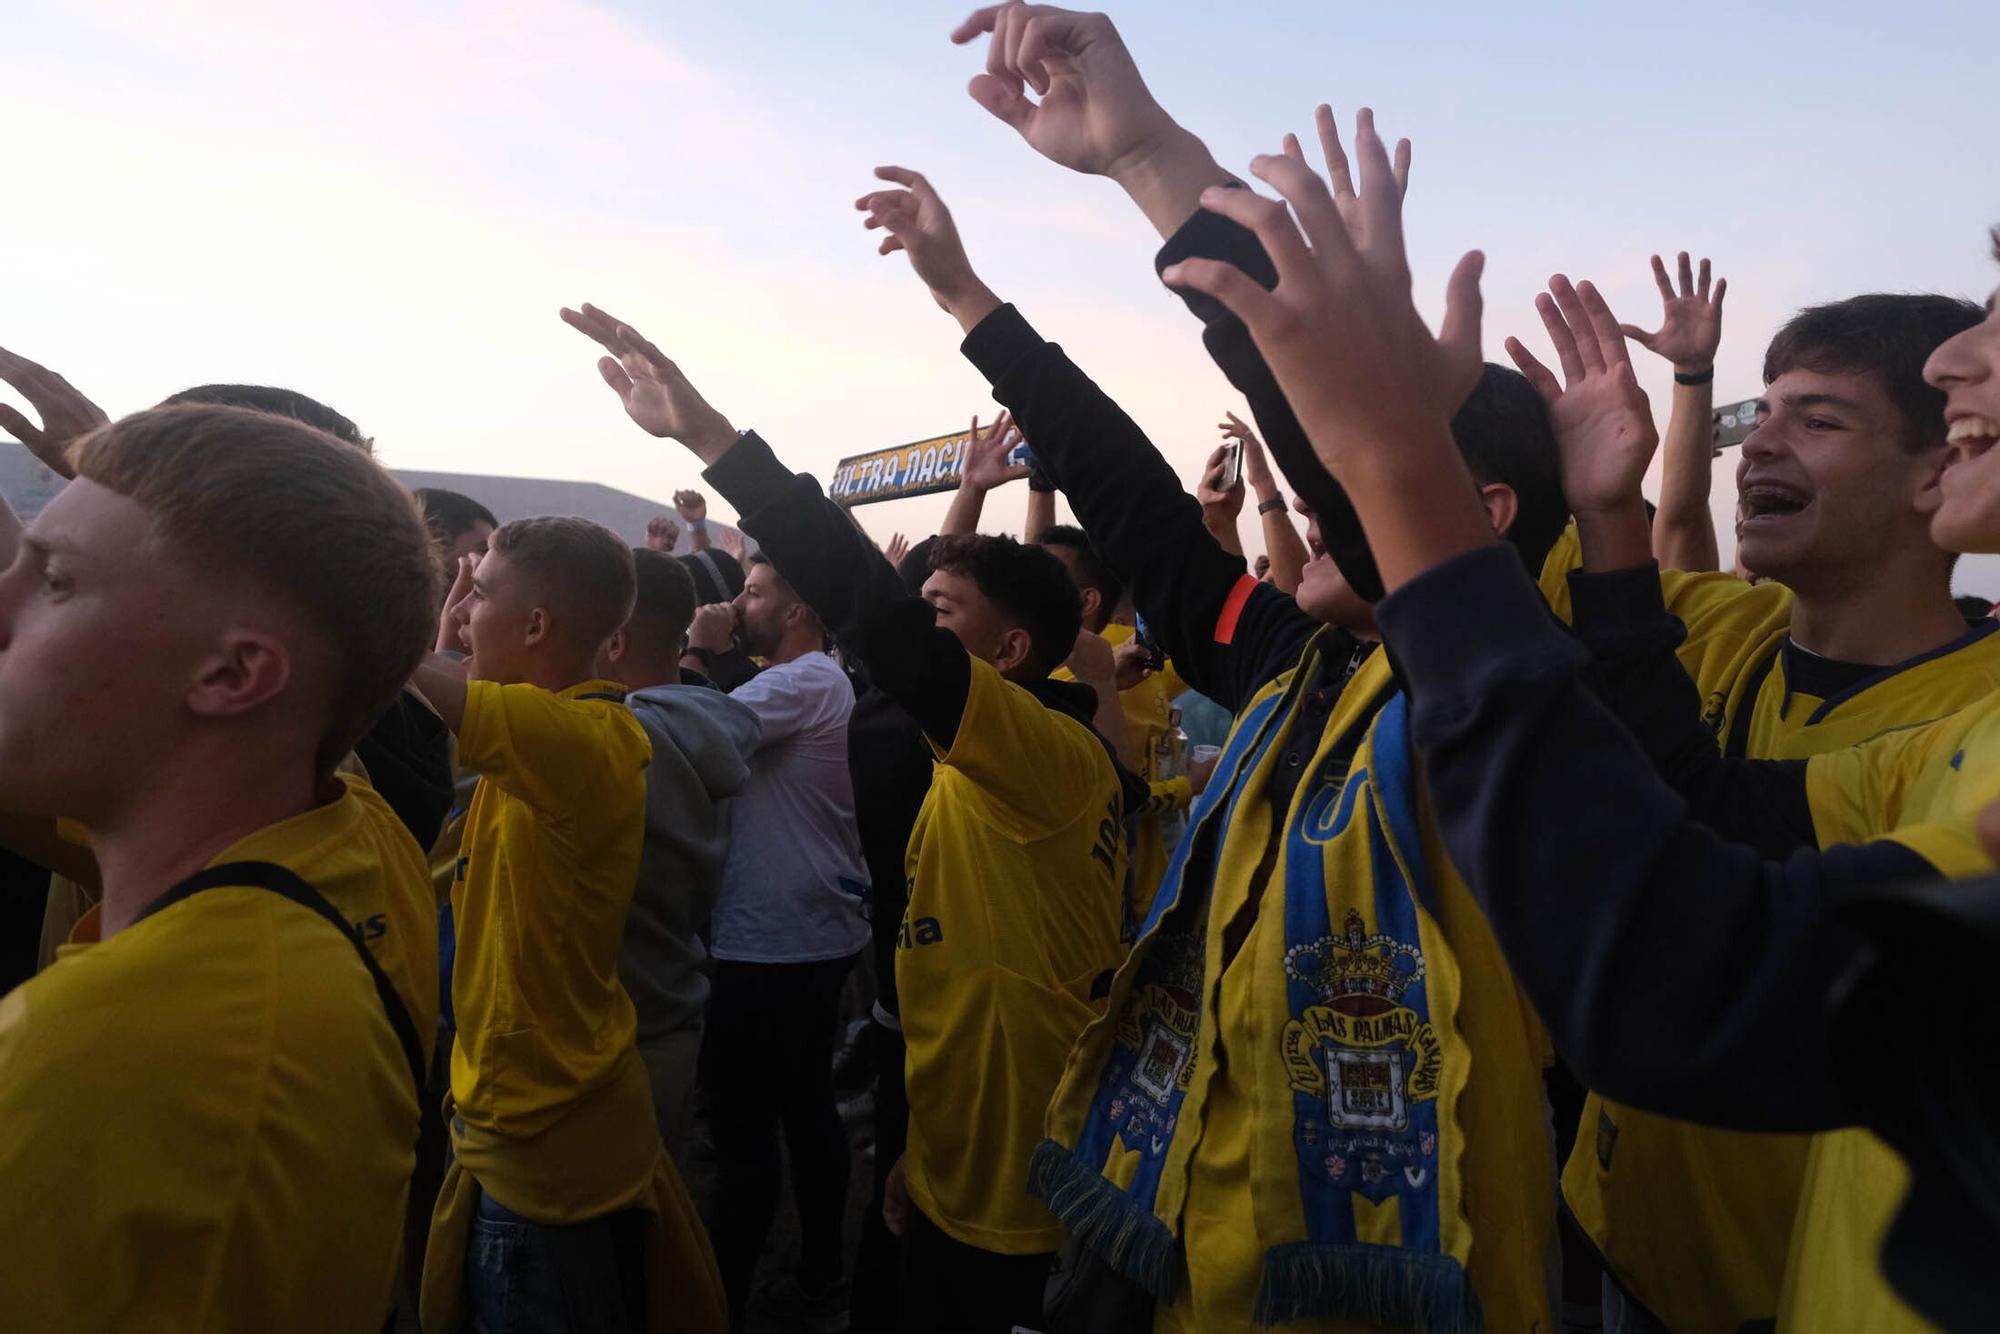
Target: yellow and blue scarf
{"points": [[1364, 1218]]}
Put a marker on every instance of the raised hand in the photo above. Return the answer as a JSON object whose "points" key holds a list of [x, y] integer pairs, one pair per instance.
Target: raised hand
{"points": [[899, 547], [1256, 467], [1216, 500], [65, 413], [692, 506], [1095, 114], [451, 636], [1691, 325], [1602, 421], [1339, 331], [655, 393], [986, 465], [662, 533], [919, 225]]}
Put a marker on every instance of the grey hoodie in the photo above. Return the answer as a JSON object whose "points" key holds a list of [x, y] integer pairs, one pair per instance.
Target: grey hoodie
{"points": [[702, 741]]}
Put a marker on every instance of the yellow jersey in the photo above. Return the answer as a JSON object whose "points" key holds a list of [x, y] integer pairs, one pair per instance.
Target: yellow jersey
{"points": [[545, 877], [1696, 1222], [210, 1121], [1923, 788], [1017, 871]]}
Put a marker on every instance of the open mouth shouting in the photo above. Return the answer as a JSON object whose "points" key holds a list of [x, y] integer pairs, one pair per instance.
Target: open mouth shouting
{"points": [[1969, 436], [1765, 501]]}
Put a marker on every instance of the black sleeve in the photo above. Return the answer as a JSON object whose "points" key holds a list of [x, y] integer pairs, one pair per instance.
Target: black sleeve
{"points": [[1622, 617], [1211, 236], [729, 668], [408, 757], [1676, 971], [849, 584], [1227, 634]]}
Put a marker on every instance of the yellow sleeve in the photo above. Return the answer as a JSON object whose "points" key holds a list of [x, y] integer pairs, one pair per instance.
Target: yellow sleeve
{"points": [[1922, 788], [553, 753], [1040, 767]]}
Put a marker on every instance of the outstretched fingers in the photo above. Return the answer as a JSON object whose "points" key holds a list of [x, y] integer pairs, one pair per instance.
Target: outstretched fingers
{"points": [[1604, 326], [1541, 377], [1307, 194], [1560, 337], [1660, 279], [1464, 307], [1578, 320]]}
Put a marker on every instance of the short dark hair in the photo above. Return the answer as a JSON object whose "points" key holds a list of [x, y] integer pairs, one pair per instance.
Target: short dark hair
{"points": [[664, 606], [448, 513], [1503, 433], [278, 402], [585, 568], [1028, 585], [1096, 571], [1887, 334]]}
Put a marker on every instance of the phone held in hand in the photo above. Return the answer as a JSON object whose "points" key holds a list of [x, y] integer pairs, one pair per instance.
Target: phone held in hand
{"points": [[1232, 466], [1142, 635]]}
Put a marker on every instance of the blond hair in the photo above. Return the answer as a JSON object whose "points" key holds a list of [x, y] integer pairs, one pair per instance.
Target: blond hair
{"points": [[584, 568], [314, 520]]}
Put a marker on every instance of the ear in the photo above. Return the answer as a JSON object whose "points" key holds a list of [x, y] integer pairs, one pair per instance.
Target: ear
{"points": [[1011, 650], [1503, 506], [614, 647], [1093, 602], [540, 626], [249, 668], [1929, 495]]}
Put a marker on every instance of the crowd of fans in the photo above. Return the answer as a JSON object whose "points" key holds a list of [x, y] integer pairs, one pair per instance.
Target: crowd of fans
{"points": [[1482, 914]]}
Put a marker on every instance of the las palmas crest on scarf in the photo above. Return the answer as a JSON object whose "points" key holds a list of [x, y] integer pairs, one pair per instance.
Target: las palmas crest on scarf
{"points": [[1361, 1050]]}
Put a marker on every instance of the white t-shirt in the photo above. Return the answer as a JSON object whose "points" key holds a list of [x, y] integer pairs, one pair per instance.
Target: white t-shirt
{"points": [[794, 885]]}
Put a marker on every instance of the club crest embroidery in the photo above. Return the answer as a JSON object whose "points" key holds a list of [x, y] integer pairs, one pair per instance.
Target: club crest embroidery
{"points": [[1369, 1056]]}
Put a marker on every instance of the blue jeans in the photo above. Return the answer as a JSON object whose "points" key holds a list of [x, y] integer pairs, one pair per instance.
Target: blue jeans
{"points": [[523, 1277]]}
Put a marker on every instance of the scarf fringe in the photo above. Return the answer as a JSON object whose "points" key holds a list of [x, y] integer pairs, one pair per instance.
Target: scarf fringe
{"points": [[1428, 1294], [1122, 1232]]}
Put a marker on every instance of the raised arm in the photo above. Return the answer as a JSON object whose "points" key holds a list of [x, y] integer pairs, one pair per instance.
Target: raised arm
{"points": [[1096, 116], [66, 414], [1282, 542], [1227, 634], [1728, 1026], [692, 506], [986, 469], [835, 568], [1605, 439], [1690, 332]]}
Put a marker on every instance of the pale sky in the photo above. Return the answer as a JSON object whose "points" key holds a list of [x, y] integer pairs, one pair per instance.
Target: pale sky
{"points": [[384, 204]]}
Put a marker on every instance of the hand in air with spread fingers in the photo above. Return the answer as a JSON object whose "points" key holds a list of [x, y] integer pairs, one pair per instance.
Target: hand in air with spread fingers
{"points": [[1602, 420], [656, 395], [66, 414], [986, 453], [1373, 388], [1690, 319]]}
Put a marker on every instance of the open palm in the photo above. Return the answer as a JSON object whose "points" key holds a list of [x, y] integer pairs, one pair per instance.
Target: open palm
{"points": [[1602, 420], [1691, 325]]}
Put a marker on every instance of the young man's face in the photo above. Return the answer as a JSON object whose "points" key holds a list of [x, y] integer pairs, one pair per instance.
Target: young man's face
{"points": [[763, 611], [499, 621], [1826, 484], [1967, 368], [979, 625], [101, 639]]}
